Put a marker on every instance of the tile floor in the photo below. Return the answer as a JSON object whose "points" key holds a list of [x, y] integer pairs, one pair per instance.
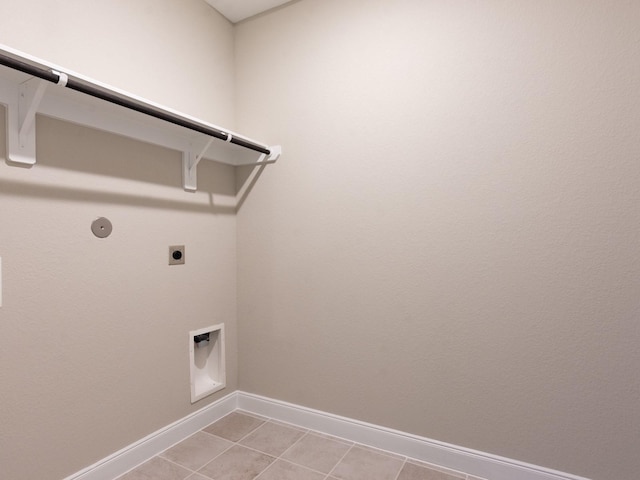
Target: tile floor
{"points": [[242, 446]]}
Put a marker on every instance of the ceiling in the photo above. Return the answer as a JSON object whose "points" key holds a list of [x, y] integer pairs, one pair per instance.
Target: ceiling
{"points": [[237, 10]]}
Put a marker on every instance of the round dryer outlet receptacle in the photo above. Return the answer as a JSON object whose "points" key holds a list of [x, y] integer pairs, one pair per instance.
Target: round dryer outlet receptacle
{"points": [[101, 227], [176, 255]]}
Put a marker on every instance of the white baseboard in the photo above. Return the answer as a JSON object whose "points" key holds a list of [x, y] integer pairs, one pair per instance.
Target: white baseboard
{"points": [[462, 459], [472, 462], [139, 452]]}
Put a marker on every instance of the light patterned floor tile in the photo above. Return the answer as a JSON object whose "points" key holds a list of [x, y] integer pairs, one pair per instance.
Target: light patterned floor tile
{"points": [[157, 469], [234, 426], [272, 438], [243, 446], [411, 471], [448, 471], [237, 463], [366, 464], [316, 452], [197, 450], [197, 476], [281, 470]]}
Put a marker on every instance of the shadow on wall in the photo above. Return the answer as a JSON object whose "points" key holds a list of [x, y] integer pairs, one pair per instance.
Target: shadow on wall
{"points": [[105, 157], [22, 189]]}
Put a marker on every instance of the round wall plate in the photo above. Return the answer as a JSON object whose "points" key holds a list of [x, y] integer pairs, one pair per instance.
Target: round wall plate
{"points": [[101, 227]]}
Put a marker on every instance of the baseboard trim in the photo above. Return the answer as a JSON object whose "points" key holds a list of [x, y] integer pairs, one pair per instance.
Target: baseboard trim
{"points": [[139, 452], [462, 459], [472, 462]]}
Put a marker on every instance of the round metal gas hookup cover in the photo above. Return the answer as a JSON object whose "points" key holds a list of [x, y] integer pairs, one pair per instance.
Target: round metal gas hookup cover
{"points": [[101, 227]]}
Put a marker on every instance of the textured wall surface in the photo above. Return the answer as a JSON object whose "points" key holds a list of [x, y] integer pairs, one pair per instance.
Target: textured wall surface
{"points": [[449, 245], [176, 53], [93, 332]]}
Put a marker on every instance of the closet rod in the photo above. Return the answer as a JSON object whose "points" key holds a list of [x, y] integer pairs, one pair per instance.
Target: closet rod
{"points": [[111, 97]]}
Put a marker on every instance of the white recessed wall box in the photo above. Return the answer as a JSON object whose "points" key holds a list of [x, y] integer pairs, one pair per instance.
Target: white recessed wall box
{"points": [[207, 361]]}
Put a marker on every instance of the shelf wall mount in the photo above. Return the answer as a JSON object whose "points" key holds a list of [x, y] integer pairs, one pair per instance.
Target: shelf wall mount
{"points": [[30, 86]]}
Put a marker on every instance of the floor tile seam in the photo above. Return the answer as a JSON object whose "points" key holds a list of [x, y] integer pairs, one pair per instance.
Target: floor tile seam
{"points": [[306, 431], [295, 464], [459, 475], [275, 459], [327, 436], [249, 414], [193, 476], [199, 472], [213, 459], [303, 466], [216, 457], [400, 470], [333, 438], [293, 426], [385, 453], [232, 444], [292, 445], [215, 436], [340, 461], [161, 454], [191, 471], [264, 422], [303, 432], [279, 457], [236, 442], [257, 477], [347, 442], [258, 451]]}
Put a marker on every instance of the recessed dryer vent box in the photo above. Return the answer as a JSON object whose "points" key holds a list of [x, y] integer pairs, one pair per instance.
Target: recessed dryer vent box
{"points": [[206, 354]]}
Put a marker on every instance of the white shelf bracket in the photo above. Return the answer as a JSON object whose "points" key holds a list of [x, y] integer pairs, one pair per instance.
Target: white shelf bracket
{"points": [[190, 167], [276, 151], [21, 125], [23, 90]]}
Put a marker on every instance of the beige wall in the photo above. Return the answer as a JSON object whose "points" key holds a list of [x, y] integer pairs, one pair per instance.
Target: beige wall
{"points": [[449, 245], [93, 333], [178, 53]]}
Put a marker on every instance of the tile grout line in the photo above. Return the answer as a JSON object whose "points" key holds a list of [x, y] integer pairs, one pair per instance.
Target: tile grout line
{"points": [[191, 472], [254, 430], [305, 433], [340, 461], [291, 463], [257, 451], [214, 458], [456, 474], [265, 469], [379, 451], [292, 445], [248, 414], [233, 444], [279, 457], [401, 468]]}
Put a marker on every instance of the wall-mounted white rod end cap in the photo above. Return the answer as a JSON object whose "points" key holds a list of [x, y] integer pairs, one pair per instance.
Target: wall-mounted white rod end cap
{"points": [[276, 151]]}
